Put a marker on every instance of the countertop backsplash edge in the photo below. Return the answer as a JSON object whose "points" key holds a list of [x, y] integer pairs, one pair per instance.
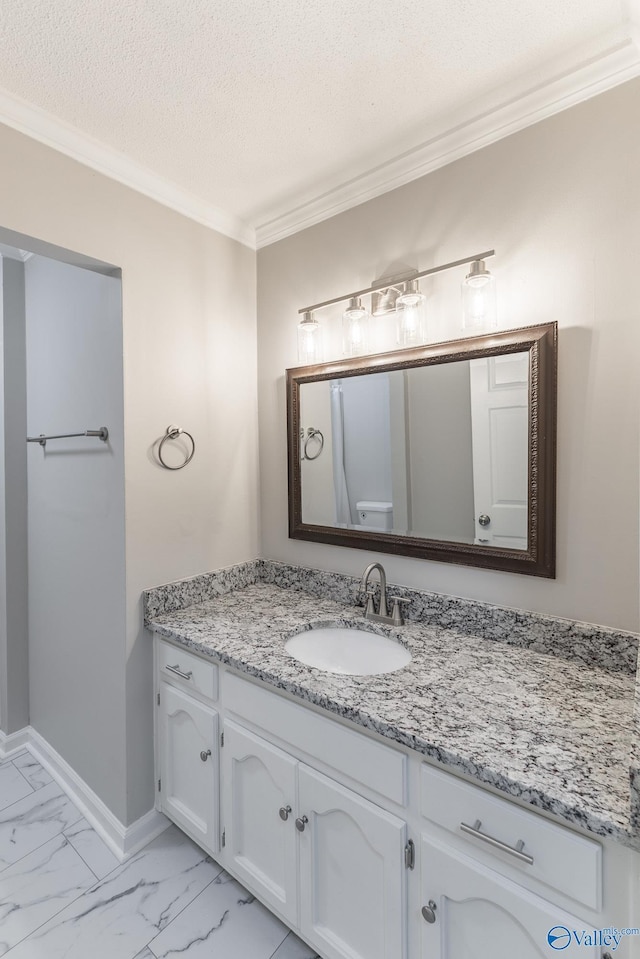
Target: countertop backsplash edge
{"points": [[599, 646]]}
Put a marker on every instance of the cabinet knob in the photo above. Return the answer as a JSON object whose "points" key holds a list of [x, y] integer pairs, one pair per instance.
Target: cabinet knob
{"points": [[429, 911], [301, 822], [284, 812], [205, 755]]}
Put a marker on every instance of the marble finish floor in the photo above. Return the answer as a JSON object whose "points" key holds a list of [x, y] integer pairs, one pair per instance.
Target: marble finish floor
{"points": [[64, 895]]}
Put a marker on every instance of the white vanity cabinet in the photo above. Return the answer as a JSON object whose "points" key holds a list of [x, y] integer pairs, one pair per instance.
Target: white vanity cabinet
{"points": [[358, 844], [187, 778], [472, 912], [331, 862]]}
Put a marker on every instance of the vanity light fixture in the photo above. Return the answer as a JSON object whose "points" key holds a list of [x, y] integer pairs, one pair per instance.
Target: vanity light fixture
{"points": [[400, 296], [384, 301], [309, 339], [355, 328], [479, 298]]}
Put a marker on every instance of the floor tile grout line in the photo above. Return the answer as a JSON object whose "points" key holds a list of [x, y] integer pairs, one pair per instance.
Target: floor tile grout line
{"points": [[288, 933], [62, 908], [33, 788], [80, 856], [49, 919], [98, 878], [40, 845], [35, 849], [186, 906], [11, 756], [34, 791], [2, 808]]}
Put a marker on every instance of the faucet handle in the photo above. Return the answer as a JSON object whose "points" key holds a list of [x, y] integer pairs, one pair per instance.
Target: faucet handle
{"points": [[396, 614], [370, 607]]}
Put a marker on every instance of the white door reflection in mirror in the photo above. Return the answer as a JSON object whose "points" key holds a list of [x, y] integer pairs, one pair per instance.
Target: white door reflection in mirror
{"points": [[500, 439]]}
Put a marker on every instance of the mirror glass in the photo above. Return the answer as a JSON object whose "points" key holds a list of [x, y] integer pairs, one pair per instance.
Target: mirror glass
{"points": [[445, 452], [438, 452]]}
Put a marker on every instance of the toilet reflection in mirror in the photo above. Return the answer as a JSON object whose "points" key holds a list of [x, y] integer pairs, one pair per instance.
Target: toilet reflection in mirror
{"points": [[395, 463]]}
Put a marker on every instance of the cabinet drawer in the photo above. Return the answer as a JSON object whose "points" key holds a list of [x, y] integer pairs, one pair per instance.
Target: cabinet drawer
{"points": [[354, 755], [562, 860], [184, 669]]}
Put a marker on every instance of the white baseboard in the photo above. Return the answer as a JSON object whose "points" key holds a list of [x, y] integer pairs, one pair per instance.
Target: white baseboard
{"points": [[12, 742], [123, 841]]}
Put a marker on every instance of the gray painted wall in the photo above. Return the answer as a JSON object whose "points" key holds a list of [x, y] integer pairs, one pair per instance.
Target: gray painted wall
{"points": [[14, 650], [76, 522], [439, 426]]}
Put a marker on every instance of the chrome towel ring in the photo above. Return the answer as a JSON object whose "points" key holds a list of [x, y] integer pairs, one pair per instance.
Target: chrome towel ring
{"points": [[312, 434], [173, 432]]}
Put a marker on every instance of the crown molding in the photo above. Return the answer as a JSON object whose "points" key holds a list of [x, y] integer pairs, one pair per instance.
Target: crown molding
{"points": [[484, 123], [618, 63], [61, 136], [13, 253]]}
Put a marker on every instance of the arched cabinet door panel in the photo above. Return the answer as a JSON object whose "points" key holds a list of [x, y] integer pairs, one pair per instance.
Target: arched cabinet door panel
{"points": [[259, 783], [352, 872], [188, 754], [470, 912]]}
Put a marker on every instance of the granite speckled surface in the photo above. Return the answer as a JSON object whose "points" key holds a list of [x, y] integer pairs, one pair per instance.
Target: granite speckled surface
{"points": [[551, 730], [611, 649]]}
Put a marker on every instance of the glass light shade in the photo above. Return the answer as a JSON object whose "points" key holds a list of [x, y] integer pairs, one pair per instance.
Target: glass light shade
{"points": [[410, 315], [309, 340], [479, 298], [355, 329]]}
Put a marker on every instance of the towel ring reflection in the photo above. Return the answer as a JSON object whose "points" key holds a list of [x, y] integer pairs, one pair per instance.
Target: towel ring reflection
{"points": [[312, 434], [173, 432]]}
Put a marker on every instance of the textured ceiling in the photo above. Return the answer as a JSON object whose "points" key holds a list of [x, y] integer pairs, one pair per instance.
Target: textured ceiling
{"points": [[252, 105]]}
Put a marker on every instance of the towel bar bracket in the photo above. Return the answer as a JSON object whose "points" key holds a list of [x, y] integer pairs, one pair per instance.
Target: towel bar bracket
{"points": [[102, 434]]}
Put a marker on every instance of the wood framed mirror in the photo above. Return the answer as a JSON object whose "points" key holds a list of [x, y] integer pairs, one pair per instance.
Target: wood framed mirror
{"points": [[444, 452]]}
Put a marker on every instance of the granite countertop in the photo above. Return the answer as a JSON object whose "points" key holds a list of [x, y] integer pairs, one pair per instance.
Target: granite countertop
{"points": [[553, 732]]}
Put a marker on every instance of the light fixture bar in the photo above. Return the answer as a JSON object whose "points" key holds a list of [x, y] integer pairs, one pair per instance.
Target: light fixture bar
{"points": [[392, 281]]}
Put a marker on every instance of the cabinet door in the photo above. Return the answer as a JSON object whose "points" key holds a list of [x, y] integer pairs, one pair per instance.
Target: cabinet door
{"points": [[352, 873], [259, 782], [481, 915], [188, 754]]}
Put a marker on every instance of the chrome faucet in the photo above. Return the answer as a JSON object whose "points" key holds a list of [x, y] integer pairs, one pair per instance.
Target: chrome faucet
{"points": [[370, 611], [382, 616]]}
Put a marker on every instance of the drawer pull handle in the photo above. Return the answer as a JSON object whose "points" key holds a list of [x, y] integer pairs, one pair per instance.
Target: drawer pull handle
{"points": [[515, 851], [301, 822], [176, 669], [205, 755], [283, 812]]}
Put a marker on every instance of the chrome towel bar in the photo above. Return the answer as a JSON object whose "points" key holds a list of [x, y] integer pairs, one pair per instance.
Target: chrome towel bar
{"points": [[102, 433]]}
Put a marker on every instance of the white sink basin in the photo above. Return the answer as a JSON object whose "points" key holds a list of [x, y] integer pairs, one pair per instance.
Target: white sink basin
{"points": [[337, 649]]}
